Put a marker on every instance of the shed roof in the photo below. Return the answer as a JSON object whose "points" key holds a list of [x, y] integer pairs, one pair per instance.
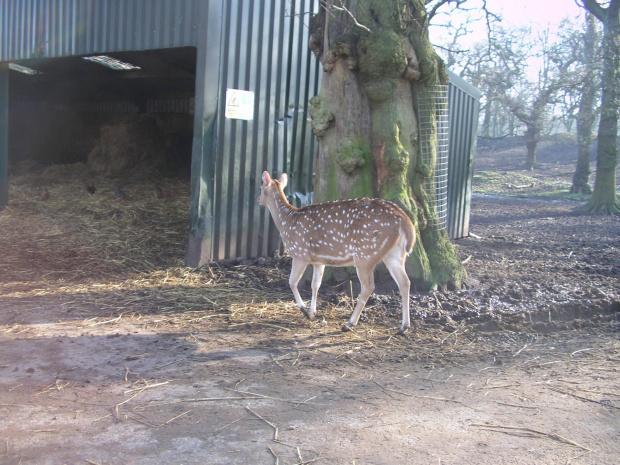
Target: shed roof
{"points": [[32, 29]]}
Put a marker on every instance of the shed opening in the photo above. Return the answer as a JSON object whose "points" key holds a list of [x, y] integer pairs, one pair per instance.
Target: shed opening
{"points": [[64, 112]]}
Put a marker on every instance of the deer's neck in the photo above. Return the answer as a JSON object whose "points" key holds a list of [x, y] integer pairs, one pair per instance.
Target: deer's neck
{"points": [[280, 210]]}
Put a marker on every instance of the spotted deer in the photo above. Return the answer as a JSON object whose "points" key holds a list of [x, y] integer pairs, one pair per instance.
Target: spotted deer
{"points": [[360, 232]]}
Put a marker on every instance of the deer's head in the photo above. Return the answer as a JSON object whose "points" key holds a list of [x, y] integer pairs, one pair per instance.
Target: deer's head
{"points": [[271, 187]]}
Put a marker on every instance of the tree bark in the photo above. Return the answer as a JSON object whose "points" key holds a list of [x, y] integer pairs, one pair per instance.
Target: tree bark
{"points": [[586, 114], [377, 59], [581, 178], [604, 197], [532, 137]]}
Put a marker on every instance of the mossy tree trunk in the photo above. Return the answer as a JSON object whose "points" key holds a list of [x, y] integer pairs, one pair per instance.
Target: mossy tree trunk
{"points": [[585, 124], [377, 59], [586, 115], [604, 197], [532, 137]]}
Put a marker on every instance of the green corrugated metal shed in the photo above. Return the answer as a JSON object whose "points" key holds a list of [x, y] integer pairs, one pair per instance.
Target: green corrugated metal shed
{"points": [[208, 46], [60, 28], [254, 45], [464, 108]]}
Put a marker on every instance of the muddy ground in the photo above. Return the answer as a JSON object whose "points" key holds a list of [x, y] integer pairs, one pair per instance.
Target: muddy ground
{"points": [[125, 356]]}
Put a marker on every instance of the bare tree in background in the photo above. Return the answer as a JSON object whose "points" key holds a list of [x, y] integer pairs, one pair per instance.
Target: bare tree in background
{"points": [[494, 72], [534, 98]]}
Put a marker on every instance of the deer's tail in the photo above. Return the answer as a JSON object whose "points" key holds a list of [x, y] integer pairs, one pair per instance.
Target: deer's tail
{"points": [[408, 231]]}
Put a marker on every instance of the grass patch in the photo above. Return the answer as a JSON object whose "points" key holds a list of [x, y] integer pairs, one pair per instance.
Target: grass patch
{"points": [[518, 184]]}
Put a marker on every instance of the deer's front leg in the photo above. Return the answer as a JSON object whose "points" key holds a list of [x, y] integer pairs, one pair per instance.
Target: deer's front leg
{"points": [[317, 277], [367, 282], [297, 270]]}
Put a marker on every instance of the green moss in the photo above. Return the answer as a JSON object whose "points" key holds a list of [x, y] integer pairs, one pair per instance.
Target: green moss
{"points": [[322, 117], [380, 91], [419, 268], [382, 56], [353, 156], [432, 68], [353, 159], [363, 186], [330, 191], [448, 271], [399, 161], [397, 192]]}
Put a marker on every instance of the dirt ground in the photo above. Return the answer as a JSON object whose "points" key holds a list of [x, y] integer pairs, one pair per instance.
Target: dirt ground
{"points": [[113, 353]]}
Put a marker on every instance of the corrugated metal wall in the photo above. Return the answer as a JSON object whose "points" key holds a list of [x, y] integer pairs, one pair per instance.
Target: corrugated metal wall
{"points": [[54, 28], [264, 50], [464, 107], [4, 134]]}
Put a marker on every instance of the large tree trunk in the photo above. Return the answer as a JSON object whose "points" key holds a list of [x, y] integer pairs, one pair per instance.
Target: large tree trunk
{"points": [[581, 178], [532, 137], [586, 113], [604, 197], [490, 116], [377, 59]]}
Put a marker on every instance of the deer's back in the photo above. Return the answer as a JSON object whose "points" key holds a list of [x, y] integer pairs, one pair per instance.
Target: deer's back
{"points": [[337, 233]]}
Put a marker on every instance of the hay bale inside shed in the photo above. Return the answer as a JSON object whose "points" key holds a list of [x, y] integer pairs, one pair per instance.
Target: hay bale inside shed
{"points": [[135, 143]]}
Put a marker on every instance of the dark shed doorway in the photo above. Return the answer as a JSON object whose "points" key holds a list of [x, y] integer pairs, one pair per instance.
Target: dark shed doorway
{"points": [[56, 114]]}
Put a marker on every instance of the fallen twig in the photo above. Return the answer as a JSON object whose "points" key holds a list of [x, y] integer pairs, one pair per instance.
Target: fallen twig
{"points": [[275, 428], [520, 350], [227, 425], [200, 399], [451, 334], [530, 432], [262, 396], [392, 390], [580, 350], [113, 320], [562, 391], [517, 406], [174, 418], [305, 462], [275, 455], [140, 390], [148, 386]]}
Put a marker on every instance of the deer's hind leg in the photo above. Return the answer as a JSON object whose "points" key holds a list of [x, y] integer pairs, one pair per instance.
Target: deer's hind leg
{"points": [[395, 263]]}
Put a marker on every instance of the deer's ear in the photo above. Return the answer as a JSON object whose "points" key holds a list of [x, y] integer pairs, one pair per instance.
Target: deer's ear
{"points": [[283, 180], [266, 178]]}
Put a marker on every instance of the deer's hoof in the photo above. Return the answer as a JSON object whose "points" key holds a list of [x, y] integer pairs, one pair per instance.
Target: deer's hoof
{"points": [[307, 314], [402, 331], [346, 328]]}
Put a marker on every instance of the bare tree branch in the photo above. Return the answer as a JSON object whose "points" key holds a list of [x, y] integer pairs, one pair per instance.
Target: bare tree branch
{"points": [[594, 7], [355, 21]]}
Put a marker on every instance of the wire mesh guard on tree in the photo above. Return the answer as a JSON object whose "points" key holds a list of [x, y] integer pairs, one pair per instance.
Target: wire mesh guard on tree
{"points": [[433, 119]]}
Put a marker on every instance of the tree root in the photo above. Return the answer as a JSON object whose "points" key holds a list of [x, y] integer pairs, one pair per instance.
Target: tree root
{"points": [[612, 208], [580, 189]]}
